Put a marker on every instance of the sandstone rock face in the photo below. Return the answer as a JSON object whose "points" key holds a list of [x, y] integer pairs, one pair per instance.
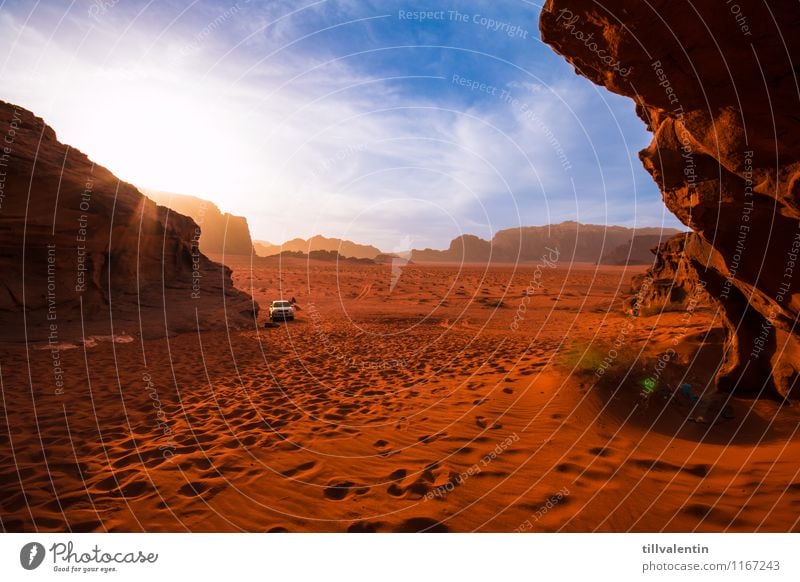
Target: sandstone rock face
{"points": [[84, 253], [222, 233], [716, 83]]}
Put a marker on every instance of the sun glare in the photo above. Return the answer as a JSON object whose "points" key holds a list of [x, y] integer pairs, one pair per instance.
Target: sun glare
{"points": [[165, 138]]}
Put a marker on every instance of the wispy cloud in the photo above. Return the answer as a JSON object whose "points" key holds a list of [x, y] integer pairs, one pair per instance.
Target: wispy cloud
{"points": [[329, 117]]}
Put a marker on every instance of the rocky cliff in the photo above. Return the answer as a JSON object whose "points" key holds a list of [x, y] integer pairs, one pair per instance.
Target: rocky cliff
{"points": [[222, 233], [84, 253], [716, 83]]}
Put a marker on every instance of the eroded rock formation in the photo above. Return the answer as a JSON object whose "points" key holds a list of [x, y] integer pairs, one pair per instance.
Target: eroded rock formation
{"points": [[716, 83], [83, 253], [222, 233]]}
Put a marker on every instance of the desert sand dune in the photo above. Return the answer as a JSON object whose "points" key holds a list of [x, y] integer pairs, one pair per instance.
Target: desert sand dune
{"points": [[412, 409]]}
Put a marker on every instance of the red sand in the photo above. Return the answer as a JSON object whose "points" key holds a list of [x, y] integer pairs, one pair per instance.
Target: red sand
{"points": [[418, 408]]}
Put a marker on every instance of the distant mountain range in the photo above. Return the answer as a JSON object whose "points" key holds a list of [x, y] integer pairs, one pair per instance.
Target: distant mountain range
{"points": [[586, 243], [345, 248], [220, 232], [576, 242]]}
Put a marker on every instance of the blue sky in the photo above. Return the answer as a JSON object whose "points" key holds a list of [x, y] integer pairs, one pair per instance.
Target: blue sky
{"points": [[361, 119]]}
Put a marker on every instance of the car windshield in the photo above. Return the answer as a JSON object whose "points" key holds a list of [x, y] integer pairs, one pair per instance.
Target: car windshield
{"points": [[281, 304]]}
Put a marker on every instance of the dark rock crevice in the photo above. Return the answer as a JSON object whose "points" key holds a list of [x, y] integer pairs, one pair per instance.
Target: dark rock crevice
{"points": [[719, 91]]}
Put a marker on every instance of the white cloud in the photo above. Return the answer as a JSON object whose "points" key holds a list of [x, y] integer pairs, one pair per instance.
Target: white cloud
{"points": [[301, 146]]}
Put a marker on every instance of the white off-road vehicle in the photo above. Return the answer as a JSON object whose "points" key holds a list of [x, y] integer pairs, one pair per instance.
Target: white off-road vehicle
{"points": [[281, 310]]}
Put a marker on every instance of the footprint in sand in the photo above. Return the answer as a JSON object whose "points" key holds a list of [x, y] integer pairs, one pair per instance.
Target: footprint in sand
{"points": [[193, 489], [69, 502], [713, 515], [132, 489], [483, 422], [430, 438], [395, 490], [114, 481], [303, 468], [89, 526], [417, 485], [341, 490], [581, 472], [116, 485], [700, 471], [555, 500]]}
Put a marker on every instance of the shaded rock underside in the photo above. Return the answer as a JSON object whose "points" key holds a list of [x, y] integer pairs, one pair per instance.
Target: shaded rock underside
{"points": [[717, 87]]}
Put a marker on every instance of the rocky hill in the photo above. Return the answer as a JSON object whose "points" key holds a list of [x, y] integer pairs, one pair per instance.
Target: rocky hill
{"points": [[84, 253], [716, 84], [345, 248]]}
